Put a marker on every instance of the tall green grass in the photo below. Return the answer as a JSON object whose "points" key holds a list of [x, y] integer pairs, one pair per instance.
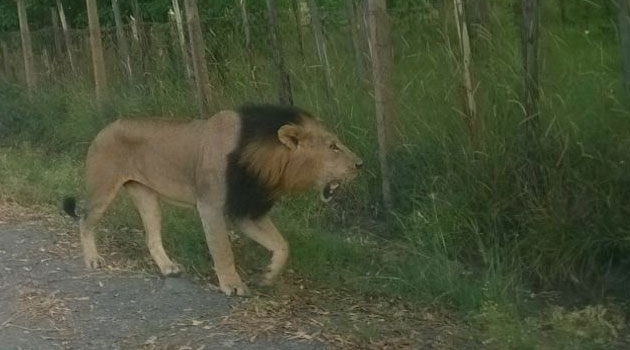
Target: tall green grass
{"points": [[469, 225]]}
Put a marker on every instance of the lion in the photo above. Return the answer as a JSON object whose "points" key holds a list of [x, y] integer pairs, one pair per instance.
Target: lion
{"points": [[234, 165]]}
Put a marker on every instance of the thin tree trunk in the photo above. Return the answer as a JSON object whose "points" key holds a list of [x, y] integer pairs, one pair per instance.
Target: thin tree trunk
{"points": [[351, 12], [467, 80], [54, 16], [182, 38], [624, 37], [66, 33], [98, 62], [245, 19], [529, 37], [122, 40], [27, 49], [284, 81], [297, 15], [48, 68], [248, 44], [200, 67], [322, 52], [5, 60], [139, 35], [533, 173], [382, 71]]}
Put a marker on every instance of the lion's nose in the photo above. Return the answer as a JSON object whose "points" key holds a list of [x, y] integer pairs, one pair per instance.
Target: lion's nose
{"points": [[358, 164]]}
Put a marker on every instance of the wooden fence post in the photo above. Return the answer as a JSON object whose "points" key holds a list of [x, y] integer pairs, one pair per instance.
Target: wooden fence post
{"points": [[122, 40], [248, 43], [181, 38], [624, 38], [197, 45], [284, 81], [467, 80], [98, 62], [351, 13], [140, 35], [66, 33], [245, 20], [322, 52], [5, 59], [529, 40], [382, 71], [54, 16], [27, 49], [297, 15]]}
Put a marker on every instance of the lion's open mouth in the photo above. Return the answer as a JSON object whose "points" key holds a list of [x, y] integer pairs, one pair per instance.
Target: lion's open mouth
{"points": [[329, 190]]}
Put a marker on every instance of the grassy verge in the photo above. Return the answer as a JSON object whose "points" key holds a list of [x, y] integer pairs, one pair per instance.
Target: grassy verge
{"points": [[501, 229], [352, 258]]}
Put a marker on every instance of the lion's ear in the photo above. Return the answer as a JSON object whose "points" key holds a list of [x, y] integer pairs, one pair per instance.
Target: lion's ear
{"points": [[290, 135]]}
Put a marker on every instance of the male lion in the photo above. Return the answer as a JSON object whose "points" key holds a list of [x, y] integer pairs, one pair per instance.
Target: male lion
{"points": [[235, 163]]}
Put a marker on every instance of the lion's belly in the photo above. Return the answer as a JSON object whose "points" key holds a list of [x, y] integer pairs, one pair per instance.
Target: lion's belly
{"points": [[170, 185]]}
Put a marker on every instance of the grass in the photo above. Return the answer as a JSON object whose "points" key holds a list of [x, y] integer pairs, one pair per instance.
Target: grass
{"points": [[478, 226]]}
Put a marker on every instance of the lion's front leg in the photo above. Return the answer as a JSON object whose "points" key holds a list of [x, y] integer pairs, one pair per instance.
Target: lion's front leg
{"points": [[221, 250], [265, 233]]}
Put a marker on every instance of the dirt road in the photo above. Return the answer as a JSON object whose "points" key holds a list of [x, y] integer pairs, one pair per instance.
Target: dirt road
{"points": [[48, 300]]}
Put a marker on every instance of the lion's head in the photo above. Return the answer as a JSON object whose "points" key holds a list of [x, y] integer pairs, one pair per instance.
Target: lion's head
{"points": [[300, 154]]}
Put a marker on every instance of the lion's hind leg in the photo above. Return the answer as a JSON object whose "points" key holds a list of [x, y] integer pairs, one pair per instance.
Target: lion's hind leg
{"points": [[264, 232], [146, 201], [98, 200]]}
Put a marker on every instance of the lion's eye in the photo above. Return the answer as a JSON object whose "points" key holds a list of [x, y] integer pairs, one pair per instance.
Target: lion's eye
{"points": [[333, 146]]}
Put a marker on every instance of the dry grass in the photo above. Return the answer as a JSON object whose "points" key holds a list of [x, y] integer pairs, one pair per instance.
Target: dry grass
{"points": [[39, 306], [344, 320]]}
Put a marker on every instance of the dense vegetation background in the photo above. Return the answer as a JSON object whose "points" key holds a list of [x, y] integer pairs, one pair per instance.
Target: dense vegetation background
{"points": [[513, 231]]}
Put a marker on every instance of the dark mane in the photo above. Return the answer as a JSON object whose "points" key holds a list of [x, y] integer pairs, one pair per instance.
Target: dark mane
{"points": [[263, 121], [247, 196]]}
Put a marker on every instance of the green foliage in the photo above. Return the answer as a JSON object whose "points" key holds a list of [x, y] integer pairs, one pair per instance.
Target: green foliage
{"points": [[592, 327], [479, 223]]}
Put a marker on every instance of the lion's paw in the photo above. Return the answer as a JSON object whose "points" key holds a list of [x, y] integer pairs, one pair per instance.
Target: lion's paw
{"points": [[268, 278], [171, 270], [265, 281], [234, 288], [94, 261]]}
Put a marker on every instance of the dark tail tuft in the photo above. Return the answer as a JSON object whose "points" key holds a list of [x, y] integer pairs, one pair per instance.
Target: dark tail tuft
{"points": [[70, 206]]}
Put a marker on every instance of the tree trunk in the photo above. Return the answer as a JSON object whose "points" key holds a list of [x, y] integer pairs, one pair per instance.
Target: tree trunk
{"points": [[529, 39], [467, 80], [204, 92], [54, 16], [182, 38], [98, 62], [48, 68], [624, 38], [533, 174], [297, 15], [5, 60], [351, 12], [248, 43], [27, 49], [66, 33], [322, 52], [140, 35], [122, 40], [382, 71], [284, 81], [245, 19]]}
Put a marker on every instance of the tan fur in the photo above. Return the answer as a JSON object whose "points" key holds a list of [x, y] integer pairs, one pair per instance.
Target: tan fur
{"points": [[186, 161]]}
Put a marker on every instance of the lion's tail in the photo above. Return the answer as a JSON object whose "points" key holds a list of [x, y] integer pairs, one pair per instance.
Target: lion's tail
{"points": [[70, 207]]}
